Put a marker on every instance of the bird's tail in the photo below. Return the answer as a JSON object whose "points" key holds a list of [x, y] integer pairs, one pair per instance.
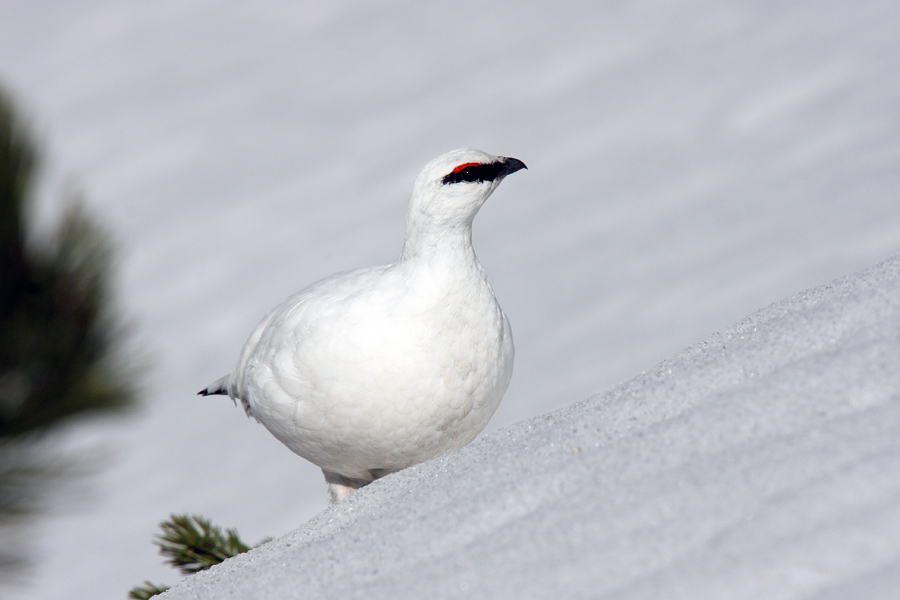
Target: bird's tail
{"points": [[220, 387]]}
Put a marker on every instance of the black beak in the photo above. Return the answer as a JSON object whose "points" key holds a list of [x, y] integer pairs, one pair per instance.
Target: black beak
{"points": [[511, 165]]}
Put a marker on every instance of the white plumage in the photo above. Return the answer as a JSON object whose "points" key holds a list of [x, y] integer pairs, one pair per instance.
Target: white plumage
{"points": [[370, 371]]}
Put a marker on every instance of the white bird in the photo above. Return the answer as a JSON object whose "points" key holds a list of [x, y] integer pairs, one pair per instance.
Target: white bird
{"points": [[371, 371]]}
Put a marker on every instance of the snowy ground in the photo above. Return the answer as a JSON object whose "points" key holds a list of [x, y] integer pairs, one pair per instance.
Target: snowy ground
{"points": [[760, 463], [689, 162]]}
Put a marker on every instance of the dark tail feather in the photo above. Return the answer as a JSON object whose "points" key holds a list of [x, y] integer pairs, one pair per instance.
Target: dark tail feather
{"points": [[219, 387]]}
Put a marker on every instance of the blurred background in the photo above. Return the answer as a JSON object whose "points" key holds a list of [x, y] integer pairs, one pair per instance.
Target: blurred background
{"points": [[689, 163]]}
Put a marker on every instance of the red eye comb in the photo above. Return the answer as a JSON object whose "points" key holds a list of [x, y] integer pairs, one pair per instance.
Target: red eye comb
{"points": [[464, 166]]}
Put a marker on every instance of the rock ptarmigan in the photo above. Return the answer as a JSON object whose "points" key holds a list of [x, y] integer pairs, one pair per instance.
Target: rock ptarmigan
{"points": [[370, 371]]}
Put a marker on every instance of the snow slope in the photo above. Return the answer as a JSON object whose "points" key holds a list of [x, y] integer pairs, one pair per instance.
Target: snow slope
{"points": [[763, 462], [688, 161]]}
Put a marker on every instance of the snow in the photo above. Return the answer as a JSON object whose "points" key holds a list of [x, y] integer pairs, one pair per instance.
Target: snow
{"points": [[760, 463], [689, 162]]}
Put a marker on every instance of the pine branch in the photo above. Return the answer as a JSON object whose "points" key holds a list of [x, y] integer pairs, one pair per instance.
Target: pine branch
{"points": [[193, 543], [62, 343], [146, 591]]}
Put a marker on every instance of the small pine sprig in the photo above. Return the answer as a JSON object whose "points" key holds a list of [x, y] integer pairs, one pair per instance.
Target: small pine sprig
{"points": [[146, 591], [192, 543]]}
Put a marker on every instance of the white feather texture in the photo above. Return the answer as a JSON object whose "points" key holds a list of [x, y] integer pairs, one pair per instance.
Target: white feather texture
{"points": [[370, 371]]}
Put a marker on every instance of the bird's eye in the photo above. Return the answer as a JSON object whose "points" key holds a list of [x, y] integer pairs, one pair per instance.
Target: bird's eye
{"points": [[468, 174], [465, 172]]}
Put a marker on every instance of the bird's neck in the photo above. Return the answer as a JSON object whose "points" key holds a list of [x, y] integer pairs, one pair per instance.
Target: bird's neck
{"points": [[432, 242], [441, 268]]}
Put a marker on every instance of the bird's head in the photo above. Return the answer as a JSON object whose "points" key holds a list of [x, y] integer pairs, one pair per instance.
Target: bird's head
{"points": [[451, 188]]}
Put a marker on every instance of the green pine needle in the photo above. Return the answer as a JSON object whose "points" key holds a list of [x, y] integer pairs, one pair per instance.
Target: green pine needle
{"points": [[193, 543], [146, 591]]}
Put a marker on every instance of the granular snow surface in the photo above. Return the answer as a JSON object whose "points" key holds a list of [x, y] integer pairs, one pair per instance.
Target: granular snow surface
{"points": [[763, 462]]}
